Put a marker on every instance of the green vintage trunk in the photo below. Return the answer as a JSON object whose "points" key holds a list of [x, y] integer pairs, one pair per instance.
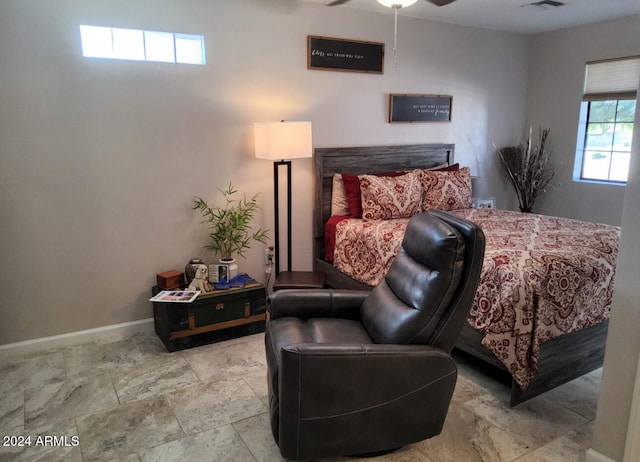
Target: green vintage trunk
{"points": [[212, 317]]}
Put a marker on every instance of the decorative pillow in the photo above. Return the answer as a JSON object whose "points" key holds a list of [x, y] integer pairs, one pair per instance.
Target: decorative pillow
{"points": [[354, 196], [385, 198], [352, 190], [339, 203], [446, 190], [445, 168]]}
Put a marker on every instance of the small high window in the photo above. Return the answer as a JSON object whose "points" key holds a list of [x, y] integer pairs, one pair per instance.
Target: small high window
{"points": [[141, 45], [607, 120]]}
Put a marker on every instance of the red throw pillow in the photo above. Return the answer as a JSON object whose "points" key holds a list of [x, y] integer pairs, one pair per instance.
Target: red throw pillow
{"points": [[352, 189], [448, 168]]}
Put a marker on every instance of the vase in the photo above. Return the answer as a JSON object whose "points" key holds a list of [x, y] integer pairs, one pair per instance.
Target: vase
{"points": [[190, 269]]}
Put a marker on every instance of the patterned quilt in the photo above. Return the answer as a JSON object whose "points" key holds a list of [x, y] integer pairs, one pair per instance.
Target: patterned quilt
{"points": [[542, 277]]}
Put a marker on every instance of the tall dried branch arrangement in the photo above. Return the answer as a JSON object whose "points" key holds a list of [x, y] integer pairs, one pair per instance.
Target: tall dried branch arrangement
{"points": [[528, 168]]}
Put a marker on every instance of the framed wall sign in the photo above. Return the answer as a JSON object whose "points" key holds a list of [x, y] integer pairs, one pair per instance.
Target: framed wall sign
{"points": [[333, 54], [420, 108]]}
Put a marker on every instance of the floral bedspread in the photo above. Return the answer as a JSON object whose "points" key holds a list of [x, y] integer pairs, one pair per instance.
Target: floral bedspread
{"points": [[542, 277]]}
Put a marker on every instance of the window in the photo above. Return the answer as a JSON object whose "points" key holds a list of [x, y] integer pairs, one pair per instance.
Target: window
{"points": [[607, 120], [141, 45], [607, 140]]}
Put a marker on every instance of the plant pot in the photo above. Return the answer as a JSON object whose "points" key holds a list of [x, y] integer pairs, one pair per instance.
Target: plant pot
{"points": [[232, 268]]}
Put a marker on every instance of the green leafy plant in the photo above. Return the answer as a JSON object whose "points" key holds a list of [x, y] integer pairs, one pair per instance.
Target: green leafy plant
{"points": [[229, 226], [529, 169]]}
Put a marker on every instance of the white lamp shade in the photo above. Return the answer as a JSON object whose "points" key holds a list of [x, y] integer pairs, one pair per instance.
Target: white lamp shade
{"points": [[397, 3], [282, 140]]}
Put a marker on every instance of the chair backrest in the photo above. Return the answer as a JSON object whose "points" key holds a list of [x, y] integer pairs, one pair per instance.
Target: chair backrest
{"points": [[427, 293], [448, 329]]}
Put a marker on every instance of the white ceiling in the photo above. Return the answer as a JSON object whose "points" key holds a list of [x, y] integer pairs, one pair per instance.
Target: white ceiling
{"points": [[510, 15]]}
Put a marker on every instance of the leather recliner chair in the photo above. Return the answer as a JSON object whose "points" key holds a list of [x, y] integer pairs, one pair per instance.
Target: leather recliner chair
{"points": [[359, 372]]}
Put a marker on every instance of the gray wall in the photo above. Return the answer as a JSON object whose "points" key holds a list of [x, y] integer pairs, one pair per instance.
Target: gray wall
{"points": [[555, 92], [623, 342], [555, 79], [99, 159]]}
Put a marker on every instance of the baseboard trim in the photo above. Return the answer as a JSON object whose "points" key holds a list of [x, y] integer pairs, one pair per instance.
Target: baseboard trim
{"points": [[595, 456], [110, 333]]}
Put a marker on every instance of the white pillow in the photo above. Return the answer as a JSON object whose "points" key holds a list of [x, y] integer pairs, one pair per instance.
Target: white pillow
{"points": [[339, 203]]}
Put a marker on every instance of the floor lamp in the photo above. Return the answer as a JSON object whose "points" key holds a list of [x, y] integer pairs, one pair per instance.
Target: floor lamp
{"points": [[278, 141]]}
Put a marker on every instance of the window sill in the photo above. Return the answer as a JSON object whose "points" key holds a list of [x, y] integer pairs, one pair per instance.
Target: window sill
{"points": [[602, 182]]}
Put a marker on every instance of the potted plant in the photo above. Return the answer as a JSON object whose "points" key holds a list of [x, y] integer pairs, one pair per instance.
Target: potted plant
{"points": [[230, 231], [528, 168]]}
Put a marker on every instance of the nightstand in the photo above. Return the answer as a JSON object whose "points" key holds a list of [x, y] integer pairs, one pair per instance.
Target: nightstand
{"points": [[212, 317], [299, 280]]}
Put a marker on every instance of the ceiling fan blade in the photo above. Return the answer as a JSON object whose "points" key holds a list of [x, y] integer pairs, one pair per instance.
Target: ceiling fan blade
{"points": [[441, 2], [337, 2]]}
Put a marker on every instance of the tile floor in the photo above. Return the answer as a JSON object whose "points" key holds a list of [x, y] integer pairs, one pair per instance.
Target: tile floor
{"points": [[132, 401]]}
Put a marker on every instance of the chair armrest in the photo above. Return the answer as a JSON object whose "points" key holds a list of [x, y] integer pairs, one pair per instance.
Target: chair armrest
{"points": [[401, 392], [317, 303]]}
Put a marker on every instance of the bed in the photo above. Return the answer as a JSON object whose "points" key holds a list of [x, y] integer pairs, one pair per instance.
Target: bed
{"points": [[544, 322]]}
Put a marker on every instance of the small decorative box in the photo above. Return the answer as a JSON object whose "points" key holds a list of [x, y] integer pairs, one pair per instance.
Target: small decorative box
{"points": [[170, 279]]}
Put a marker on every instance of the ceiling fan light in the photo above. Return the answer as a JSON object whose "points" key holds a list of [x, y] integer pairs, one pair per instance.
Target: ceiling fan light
{"points": [[397, 3]]}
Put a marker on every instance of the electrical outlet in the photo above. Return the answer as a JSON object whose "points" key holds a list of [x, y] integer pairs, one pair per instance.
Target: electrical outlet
{"points": [[268, 255]]}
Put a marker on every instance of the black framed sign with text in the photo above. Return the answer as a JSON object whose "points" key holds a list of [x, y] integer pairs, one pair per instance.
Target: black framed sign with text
{"points": [[334, 54], [420, 108]]}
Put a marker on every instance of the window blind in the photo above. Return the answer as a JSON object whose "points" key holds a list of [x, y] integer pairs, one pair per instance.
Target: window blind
{"points": [[612, 79]]}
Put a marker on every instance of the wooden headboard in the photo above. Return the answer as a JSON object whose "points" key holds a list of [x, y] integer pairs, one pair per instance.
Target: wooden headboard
{"points": [[361, 160]]}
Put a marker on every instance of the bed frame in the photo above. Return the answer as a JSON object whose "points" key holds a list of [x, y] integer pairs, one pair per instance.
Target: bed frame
{"points": [[561, 359]]}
